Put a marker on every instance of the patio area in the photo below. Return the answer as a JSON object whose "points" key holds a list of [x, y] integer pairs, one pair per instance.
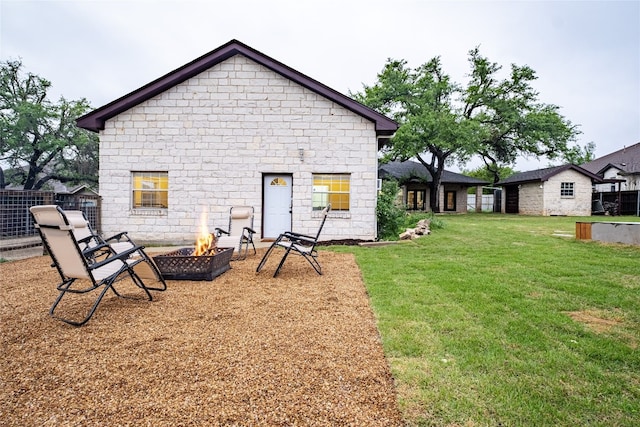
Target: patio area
{"points": [[243, 349]]}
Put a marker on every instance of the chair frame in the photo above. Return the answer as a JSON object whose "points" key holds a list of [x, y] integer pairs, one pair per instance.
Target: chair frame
{"points": [[244, 239], [301, 244], [86, 266], [119, 242]]}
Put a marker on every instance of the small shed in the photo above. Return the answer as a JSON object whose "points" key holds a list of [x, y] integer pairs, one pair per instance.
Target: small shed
{"points": [[565, 190]]}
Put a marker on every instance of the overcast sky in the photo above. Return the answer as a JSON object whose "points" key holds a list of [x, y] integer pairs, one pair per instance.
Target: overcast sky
{"points": [[586, 53]]}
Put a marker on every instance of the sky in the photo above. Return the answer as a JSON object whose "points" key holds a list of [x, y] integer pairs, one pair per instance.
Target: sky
{"points": [[586, 54]]}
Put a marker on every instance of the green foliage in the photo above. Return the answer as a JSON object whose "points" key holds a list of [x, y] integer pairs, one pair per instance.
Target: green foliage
{"points": [[486, 174], [580, 155], [412, 219], [420, 100], [511, 120], [388, 211], [39, 139], [442, 121]]}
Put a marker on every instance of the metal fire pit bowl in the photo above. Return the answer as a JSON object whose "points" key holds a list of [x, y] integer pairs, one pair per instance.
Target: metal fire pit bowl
{"points": [[183, 265]]}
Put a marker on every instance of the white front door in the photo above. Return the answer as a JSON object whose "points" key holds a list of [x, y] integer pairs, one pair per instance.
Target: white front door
{"points": [[276, 212]]}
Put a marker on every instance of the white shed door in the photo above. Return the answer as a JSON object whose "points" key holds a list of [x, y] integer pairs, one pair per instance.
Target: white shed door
{"points": [[276, 212]]}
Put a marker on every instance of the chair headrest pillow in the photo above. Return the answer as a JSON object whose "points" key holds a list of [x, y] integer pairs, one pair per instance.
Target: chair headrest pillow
{"points": [[240, 213]]}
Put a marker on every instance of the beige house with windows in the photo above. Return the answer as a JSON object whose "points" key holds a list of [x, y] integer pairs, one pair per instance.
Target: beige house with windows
{"points": [[414, 180], [561, 190], [620, 169], [236, 127]]}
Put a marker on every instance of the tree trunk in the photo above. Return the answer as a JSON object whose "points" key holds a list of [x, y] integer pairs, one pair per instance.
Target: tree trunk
{"points": [[434, 196]]}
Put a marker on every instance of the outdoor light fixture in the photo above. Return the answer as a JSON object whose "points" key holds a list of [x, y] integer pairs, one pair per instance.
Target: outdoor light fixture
{"points": [[301, 154]]}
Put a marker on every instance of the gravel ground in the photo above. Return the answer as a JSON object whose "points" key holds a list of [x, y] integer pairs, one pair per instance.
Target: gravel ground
{"points": [[244, 349]]}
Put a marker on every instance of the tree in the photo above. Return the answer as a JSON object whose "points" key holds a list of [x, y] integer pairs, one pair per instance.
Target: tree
{"points": [[39, 140], [440, 121], [513, 122], [421, 102], [580, 155], [484, 174]]}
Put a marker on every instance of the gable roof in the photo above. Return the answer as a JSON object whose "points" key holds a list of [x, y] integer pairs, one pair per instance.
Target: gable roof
{"points": [[627, 160], [409, 169], [95, 120], [618, 166], [540, 175]]}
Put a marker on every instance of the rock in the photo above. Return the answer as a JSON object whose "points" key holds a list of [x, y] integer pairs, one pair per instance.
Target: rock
{"points": [[422, 229], [408, 235]]}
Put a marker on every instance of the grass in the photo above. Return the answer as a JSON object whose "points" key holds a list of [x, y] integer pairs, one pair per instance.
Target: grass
{"points": [[500, 320]]}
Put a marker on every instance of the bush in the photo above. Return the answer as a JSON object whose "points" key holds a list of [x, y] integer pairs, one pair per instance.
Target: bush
{"points": [[391, 215]]}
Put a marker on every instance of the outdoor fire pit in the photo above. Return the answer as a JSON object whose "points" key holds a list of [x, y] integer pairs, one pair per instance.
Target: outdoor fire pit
{"points": [[184, 265]]}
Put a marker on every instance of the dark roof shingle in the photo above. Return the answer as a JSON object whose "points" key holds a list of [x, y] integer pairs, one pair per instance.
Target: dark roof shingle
{"points": [[626, 159], [410, 169], [544, 175]]}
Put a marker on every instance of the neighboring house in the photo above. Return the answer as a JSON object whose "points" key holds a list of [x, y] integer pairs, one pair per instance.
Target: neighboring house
{"points": [[82, 196], [561, 190], [620, 169], [236, 127], [413, 177]]}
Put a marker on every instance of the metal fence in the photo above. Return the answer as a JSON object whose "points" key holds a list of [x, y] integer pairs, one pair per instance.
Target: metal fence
{"points": [[620, 202], [89, 204], [15, 220]]}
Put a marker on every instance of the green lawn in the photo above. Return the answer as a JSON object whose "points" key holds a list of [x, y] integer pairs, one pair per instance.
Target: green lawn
{"points": [[500, 320]]}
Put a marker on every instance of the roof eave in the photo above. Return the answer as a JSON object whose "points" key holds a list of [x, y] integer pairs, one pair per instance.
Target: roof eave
{"points": [[95, 120]]}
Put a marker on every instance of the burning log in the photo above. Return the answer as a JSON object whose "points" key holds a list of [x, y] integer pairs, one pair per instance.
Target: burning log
{"points": [[205, 245], [206, 242]]}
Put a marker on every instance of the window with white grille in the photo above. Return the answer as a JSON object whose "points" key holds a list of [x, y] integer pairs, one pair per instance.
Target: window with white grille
{"points": [[566, 189]]}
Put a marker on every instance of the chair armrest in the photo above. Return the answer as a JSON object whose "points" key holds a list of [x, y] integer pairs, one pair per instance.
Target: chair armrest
{"points": [[220, 231], [100, 247], [297, 237], [87, 239], [294, 235], [118, 236], [122, 256], [250, 230]]}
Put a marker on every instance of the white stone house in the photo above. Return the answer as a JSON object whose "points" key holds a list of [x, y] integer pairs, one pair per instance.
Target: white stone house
{"points": [[561, 190], [236, 127]]}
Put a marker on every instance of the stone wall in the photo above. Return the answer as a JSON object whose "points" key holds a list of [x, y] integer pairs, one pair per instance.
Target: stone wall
{"points": [[216, 134], [530, 199], [578, 205]]}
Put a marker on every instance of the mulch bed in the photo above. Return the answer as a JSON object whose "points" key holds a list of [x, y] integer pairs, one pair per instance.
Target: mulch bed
{"points": [[244, 349]]}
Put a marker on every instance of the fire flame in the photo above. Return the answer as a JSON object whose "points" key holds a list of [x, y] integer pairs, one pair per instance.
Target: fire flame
{"points": [[205, 240]]}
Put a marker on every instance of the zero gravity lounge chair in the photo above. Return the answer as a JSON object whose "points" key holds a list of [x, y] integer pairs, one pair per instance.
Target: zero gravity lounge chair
{"points": [[240, 232], [87, 239], [299, 244], [80, 273]]}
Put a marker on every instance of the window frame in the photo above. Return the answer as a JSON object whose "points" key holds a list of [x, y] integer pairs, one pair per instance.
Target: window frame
{"points": [[450, 201], [320, 199], [416, 200], [150, 198], [567, 190]]}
